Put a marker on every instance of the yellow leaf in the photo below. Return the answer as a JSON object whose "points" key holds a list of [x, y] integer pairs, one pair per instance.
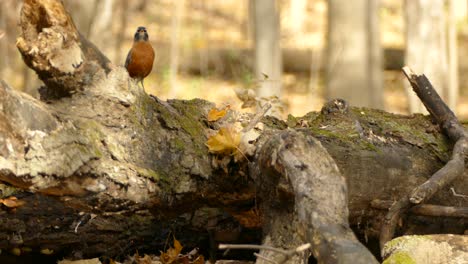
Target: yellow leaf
{"points": [[46, 251], [146, 259], [226, 141], [171, 255], [177, 246], [216, 114], [199, 260], [16, 251]]}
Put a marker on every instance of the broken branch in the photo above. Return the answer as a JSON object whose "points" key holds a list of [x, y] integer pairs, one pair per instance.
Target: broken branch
{"points": [[426, 209], [449, 123], [286, 253]]}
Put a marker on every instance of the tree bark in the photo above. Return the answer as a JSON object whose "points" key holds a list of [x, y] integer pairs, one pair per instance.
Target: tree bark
{"points": [[101, 168], [320, 218]]}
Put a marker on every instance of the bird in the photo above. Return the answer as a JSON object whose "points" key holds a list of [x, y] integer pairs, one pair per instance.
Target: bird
{"points": [[139, 62]]}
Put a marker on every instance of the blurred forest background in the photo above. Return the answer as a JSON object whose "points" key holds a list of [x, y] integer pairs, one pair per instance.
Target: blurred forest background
{"points": [[302, 52]]}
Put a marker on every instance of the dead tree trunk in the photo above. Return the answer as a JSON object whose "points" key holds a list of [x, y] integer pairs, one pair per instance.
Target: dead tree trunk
{"points": [[99, 167]]}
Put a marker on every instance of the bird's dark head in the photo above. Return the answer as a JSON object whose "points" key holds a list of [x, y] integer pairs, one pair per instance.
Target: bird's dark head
{"points": [[141, 34]]}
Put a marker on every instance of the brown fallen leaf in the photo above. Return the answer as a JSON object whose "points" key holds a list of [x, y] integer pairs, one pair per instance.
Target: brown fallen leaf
{"points": [[216, 114], [250, 219], [12, 202], [146, 259], [226, 141], [199, 260]]}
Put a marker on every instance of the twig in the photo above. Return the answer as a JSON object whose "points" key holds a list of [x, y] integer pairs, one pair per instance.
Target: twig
{"points": [[256, 118], [76, 227], [287, 254], [457, 194], [434, 104], [245, 246], [264, 258], [454, 168], [426, 209]]}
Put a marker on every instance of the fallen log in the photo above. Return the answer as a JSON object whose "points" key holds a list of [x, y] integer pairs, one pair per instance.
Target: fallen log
{"points": [[98, 167]]}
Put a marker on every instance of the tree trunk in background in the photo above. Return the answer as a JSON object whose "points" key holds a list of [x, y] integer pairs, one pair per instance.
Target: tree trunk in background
{"points": [[123, 9], [297, 15], [175, 39], [203, 40], [354, 68], [460, 9], [3, 40], [426, 45], [453, 86], [315, 66], [94, 19], [268, 59], [251, 21], [101, 28], [81, 12], [375, 55]]}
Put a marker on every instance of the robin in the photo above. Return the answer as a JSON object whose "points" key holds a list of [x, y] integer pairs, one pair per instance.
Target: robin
{"points": [[139, 62]]}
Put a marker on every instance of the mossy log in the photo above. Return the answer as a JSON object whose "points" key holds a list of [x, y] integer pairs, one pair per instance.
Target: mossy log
{"points": [[428, 249], [101, 168]]}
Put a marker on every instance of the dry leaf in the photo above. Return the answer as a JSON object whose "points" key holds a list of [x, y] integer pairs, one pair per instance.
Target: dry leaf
{"points": [[226, 141], [199, 260], [11, 202], [171, 255], [247, 96], [15, 251], [46, 251], [146, 259], [250, 219], [83, 261], [216, 114]]}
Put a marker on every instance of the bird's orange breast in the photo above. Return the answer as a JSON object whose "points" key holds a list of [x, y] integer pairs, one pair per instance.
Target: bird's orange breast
{"points": [[142, 57]]}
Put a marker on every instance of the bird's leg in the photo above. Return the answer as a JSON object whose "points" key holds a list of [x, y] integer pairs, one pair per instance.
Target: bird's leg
{"points": [[141, 81]]}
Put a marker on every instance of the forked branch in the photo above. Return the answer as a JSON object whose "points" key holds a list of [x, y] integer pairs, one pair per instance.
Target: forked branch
{"points": [[450, 125]]}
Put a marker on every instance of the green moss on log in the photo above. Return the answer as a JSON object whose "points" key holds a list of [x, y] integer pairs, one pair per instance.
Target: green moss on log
{"points": [[370, 129]]}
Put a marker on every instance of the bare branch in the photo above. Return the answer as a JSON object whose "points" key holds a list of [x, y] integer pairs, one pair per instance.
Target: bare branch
{"points": [[257, 118], [264, 258], [449, 123], [287, 254], [426, 209]]}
